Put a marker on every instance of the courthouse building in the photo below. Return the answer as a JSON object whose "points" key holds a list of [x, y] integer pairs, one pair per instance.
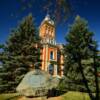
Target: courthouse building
{"points": [[52, 57]]}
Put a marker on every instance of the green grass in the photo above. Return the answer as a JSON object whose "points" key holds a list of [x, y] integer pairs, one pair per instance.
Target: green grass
{"points": [[67, 96], [75, 96], [9, 96]]}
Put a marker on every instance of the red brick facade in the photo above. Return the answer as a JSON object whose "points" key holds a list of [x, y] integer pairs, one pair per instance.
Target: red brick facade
{"points": [[52, 58]]}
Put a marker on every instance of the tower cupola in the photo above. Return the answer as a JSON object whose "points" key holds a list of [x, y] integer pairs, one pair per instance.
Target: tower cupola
{"points": [[47, 30]]}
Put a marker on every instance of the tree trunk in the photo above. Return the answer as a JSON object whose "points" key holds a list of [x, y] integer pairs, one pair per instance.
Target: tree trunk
{"points": [[96, 76], [85, 80]]}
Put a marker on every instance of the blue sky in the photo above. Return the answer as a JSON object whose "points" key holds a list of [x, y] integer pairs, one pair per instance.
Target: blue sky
{"points": [[10, 15]]}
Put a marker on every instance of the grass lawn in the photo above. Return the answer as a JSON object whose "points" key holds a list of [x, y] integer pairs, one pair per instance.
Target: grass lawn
{"points": [[67, 96], [10, 96], [75, 96]]}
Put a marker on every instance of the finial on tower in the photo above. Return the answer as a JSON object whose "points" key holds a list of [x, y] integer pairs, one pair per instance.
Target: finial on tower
{"points": [[47, 17]]}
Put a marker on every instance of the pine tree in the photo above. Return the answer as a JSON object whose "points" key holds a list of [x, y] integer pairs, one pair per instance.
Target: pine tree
{"points": [[20, 54], [80, 65]]}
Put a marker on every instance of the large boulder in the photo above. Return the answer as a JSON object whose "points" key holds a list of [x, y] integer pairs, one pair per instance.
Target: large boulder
{"points": [[37, 83]]}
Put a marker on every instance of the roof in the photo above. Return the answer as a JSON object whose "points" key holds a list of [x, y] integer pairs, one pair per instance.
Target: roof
{"points": [[48, 19]]}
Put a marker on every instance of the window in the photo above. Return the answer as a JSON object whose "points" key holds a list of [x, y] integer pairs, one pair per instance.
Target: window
{"points": [[45, 27], [51, 69], [58, 55], [51, 55], [52, 32]]}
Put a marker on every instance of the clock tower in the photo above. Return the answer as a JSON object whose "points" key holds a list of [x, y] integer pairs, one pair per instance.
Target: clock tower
{"points": [[47, 30], [49, 51]]}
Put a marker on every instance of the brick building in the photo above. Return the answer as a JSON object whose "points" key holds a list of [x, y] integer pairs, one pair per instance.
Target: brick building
{"points": [[52, 57]]}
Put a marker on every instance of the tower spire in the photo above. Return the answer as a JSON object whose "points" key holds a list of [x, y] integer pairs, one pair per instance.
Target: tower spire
{"points": [[47, 17]]}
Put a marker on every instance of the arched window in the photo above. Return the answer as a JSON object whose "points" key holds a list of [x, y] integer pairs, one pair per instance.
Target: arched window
{"points": [[51, 69]]}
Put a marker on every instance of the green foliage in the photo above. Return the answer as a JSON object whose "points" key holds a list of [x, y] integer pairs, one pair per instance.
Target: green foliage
{"points": [[53, 62], [20, 53], [1, 46], [78, 54], [66, 84], [62, 85]]}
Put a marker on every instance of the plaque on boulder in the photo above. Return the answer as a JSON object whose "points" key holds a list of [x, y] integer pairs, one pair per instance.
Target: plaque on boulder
{"points": [[36, 83]]}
